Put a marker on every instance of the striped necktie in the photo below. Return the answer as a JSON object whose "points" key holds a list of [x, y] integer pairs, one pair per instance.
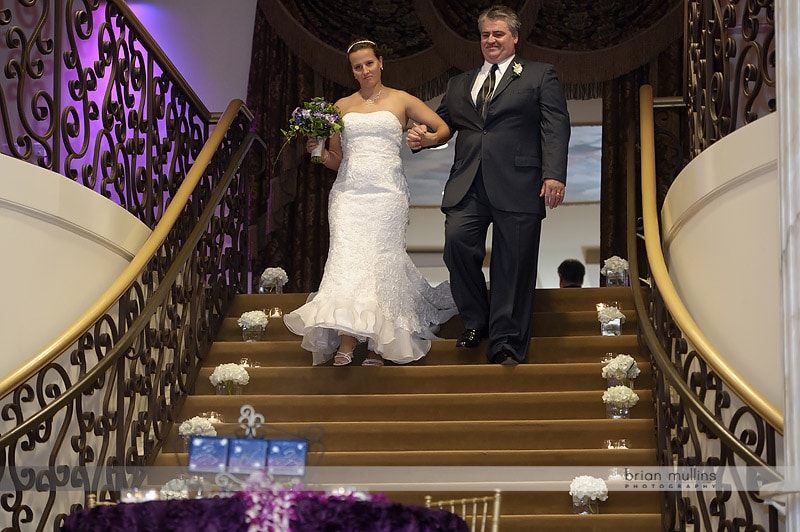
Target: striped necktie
{"points": [[485, 94]]}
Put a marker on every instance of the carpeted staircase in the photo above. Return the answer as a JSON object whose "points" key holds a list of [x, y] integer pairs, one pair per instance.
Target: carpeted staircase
{"points": [[453, 409]]}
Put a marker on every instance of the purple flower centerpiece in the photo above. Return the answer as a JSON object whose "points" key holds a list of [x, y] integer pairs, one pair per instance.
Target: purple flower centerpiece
{"points": [[272, 507]]}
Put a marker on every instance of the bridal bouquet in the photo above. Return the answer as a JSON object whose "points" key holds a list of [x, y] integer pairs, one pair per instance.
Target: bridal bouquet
{"points": [[196, 426], [620, 397], [230, 376], [621, 367], [315, 118], [588, 487]]}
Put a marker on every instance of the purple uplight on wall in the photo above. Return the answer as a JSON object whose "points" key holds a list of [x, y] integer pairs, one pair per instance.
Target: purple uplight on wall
{"points": [[208, 44]]}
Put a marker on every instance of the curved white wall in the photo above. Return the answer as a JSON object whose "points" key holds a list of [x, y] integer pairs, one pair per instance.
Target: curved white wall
{"points": [[722, 244], [62, 246]]}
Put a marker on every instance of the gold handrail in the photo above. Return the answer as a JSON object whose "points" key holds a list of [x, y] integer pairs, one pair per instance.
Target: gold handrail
{"points": [[739, 386], [132, 271]]}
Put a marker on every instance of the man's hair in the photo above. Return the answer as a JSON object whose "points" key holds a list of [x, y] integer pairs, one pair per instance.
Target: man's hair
{"points": [[501, 12], [572, 270]]}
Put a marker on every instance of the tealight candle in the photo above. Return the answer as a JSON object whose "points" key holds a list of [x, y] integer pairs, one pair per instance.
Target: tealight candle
{"points": [[213, 417]]}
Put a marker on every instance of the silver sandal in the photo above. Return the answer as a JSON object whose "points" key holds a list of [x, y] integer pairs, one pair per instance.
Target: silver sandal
{"points": [[342, 359]]}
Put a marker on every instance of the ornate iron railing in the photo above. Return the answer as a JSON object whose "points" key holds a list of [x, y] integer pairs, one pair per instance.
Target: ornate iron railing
{"points": [[730, 66], [703, 420], [86, 92]]}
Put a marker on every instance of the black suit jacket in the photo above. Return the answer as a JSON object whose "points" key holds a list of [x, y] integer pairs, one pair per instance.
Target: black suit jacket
{"points": [[524, 138]]}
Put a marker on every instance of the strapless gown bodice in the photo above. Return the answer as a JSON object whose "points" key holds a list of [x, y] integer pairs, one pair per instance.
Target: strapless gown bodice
{"points": [[371, 150]]}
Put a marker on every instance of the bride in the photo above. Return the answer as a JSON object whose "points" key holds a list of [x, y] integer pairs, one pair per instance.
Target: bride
{"points": [[370, 290]]}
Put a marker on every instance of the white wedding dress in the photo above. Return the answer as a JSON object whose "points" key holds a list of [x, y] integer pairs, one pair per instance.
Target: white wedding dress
{"points": [[370, 288]]}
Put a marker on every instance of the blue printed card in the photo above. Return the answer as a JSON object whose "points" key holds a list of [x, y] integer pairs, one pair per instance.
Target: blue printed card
{"points": [[247, 455], [208, 454], [287, 457]]}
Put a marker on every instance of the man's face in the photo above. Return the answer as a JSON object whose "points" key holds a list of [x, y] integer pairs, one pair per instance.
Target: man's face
{"points": [[497, 41]]}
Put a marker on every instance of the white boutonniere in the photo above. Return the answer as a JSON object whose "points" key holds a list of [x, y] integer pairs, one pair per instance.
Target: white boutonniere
{"points": [[516, 70]]}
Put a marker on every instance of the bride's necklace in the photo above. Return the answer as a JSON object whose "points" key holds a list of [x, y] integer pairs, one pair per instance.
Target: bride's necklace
{"points": [[373, 99]]}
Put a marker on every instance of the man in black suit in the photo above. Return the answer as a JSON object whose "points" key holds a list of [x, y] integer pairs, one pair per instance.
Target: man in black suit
{"points": [[510, 165]]}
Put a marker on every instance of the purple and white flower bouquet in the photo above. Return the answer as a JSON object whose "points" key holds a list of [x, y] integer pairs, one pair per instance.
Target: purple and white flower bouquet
{"points": [[315, 118]]}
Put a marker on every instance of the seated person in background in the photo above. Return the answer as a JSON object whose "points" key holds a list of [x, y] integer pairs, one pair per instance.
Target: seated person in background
{"points": [[570, 274]]}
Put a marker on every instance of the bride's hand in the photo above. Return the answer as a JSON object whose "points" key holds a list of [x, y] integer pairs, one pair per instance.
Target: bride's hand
{"points": [[311, 143]]}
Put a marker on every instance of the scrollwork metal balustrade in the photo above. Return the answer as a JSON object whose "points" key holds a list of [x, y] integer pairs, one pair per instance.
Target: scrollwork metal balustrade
{"points": [[700, 422], [731, 66], [87, 93]]}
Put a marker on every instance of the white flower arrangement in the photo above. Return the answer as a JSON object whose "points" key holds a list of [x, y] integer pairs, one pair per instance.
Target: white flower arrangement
{"points": [[621, 367], [588, 487], [253, 318], [273, 277], [196, 426], [620, 396], [174, 489], [614, 264], [229, 374], [516, 70], [608, 314]]}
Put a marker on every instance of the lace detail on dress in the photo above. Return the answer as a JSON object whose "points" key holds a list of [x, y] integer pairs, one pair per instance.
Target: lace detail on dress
{"points": [[371, 288]]}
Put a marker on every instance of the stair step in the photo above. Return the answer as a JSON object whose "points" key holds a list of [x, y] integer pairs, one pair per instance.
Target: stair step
{"points": [[480, 458], [519, 504], [547, 300], [547, 350], [562, 324], [358, 380], [417, 407], [444, 435], [537, 499], [644, 522]]}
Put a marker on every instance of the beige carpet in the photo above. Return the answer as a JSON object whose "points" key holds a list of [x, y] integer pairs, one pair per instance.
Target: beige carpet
{"points": [[451, 410]]}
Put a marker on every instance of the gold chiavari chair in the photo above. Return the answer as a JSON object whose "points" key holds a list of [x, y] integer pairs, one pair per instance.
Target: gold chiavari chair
{"points": [[475, 511]]}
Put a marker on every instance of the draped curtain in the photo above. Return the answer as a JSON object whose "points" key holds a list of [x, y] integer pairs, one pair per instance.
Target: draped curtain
{"points": [[600, 47], [620, 106], [620, 110], [289, 201]]}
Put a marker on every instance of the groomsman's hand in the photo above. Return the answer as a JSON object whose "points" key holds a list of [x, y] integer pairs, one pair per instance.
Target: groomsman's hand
{"points": [[552, 192]]}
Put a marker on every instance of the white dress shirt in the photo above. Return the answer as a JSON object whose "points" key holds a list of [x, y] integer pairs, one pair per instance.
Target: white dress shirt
{"points": [[485, 69]]}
